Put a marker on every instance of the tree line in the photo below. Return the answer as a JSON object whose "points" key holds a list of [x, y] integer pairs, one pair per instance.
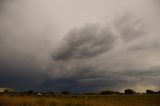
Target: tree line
{"points": [[105, 92], [128, 91]]}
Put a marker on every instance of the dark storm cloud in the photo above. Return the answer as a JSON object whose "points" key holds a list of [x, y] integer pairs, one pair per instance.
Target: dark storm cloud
{"points": [[22, 80], [3, 3], [86, 42], [92, 80], [74, 85], [104, 56], [112, 55], [19, 71], [22, 49], [88, 81], [111, 80]]}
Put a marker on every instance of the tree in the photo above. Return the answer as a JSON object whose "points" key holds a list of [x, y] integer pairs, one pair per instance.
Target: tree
{"points": [[6, 91], [30, 92], [150, 92], [108, 92], [90, 93], [65, 92], [129, 91], [51, 92]]}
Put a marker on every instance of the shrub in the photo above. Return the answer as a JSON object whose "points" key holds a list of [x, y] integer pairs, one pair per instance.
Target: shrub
{"points": [[150, 92], [129, 91], [107, 92], [65, 92]]}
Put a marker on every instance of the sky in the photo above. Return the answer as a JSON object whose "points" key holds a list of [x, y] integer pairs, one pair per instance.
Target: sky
{"points": [[80, 45]]}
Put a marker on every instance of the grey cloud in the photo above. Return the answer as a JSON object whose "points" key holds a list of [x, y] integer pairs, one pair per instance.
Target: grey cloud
{"points": [[22, 80], [148, 45], [74, 85], [90, 58], [92, 79], [112, 66], [86, 42], [1, 3], [20, 71], [130, 27], [23, 51]]}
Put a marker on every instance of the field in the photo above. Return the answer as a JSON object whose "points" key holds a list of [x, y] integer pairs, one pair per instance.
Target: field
{"points": [[110, 100]]}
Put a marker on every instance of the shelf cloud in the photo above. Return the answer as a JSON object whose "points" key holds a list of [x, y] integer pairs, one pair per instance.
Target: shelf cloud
{"points": [[58, 45]]}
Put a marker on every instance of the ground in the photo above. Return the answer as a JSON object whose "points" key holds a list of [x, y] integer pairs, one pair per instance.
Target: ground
{"points": [[70, 100]]}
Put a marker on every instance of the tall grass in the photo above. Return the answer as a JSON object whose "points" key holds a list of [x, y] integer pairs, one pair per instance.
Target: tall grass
{"points": [[113, 100]]}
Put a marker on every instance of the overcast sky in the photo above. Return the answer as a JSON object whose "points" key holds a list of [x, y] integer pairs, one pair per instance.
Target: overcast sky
{"points": [[80, 45]]}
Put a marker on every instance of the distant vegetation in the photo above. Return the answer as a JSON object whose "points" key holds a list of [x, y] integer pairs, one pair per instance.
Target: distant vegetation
{"points": [[107, 92], [65, 92], [152, 92], [66, 98], [129, 91]]}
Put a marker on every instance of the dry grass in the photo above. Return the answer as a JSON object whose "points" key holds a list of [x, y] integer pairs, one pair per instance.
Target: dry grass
{"points": [[114, 100]]}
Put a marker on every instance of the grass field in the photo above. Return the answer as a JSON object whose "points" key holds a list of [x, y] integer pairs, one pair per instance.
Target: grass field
{"points": [[112, 100]]}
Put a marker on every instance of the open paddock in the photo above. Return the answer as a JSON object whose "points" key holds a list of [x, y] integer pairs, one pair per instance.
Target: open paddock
{"points": [[81, 100]]}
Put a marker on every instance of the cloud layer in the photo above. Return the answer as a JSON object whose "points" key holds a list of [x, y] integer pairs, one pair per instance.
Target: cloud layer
{"points": [[111, 55], [118, 53], [90, 41]]}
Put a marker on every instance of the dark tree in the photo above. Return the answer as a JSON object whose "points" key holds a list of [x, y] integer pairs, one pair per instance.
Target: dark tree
{"points": [[90, 93], [107, 92], [129, 91], [150, 92], [6, 91], [30, 92], [65, 92], [51, 92]]}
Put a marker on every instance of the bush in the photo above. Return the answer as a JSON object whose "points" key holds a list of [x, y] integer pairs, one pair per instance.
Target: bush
{"points": [[90, 93], [107, 92], [65, 92], [150, 92], [129, 91]]}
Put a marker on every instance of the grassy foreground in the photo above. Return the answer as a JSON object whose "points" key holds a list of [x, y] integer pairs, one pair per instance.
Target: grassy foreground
{"points": [[112, 100]]}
